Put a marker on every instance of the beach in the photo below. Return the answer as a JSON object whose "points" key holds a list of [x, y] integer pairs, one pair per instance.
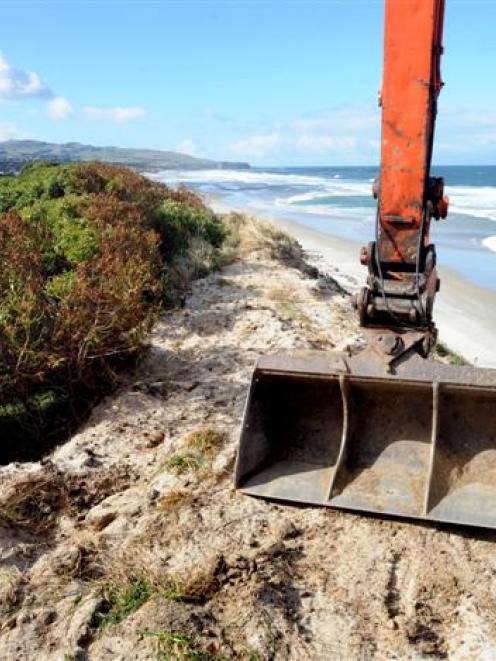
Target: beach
{"points": [[465, 314]]}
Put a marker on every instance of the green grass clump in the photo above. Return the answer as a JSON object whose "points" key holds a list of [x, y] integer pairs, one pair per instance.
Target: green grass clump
{"points": [[177, 646], [129, 587], [182, 463], [180, 646], [123, 600], [442, 351]]}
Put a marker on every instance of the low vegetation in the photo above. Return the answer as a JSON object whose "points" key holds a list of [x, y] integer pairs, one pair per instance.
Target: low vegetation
{"points": [[33, 504], [123, 600], [201, 447], [182, 463], [206, 440], [11, 580], [90, 253], [441, 351], [176, 499], [177, 646], [129, 586]]}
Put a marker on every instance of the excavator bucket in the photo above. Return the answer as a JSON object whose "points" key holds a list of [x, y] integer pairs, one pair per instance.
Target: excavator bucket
{"points": [[335, 430]]}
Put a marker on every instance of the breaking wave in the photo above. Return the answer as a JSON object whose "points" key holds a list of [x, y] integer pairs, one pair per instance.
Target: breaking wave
{"points": [[490, 243], [315, 194], [242, 177], [477, 201]]}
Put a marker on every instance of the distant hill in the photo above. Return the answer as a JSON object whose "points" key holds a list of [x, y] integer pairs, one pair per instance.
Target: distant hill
{"points": [[14, 154]]}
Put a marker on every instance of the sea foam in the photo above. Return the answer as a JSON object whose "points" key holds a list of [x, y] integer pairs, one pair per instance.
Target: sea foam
{"points": [[490, 243], [242, 177], [477, 201]]}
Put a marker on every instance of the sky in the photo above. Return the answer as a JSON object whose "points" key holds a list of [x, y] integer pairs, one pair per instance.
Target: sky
{"points": [[279, 82]]}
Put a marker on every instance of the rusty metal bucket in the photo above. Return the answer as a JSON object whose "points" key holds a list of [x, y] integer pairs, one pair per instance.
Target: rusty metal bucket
{"points": [[334, 430]]}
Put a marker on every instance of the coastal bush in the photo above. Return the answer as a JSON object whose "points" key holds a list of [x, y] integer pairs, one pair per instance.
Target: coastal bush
{"points": [[89, 253]]}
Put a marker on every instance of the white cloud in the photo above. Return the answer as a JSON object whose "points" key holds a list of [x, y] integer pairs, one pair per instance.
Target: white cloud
{"points": [[10, 132], [16, 84], [350, 118], [115, 114], [342, 134], [187, 146], [256, 145], [322, 143], [59, 108]]}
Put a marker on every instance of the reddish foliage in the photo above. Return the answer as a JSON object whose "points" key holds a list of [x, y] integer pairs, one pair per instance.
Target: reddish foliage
{"points": [[108, 308], [68, 318], [110, 300]]}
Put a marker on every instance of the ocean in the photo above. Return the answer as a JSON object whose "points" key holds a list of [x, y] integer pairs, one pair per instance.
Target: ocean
{"points": [[338, 201]]}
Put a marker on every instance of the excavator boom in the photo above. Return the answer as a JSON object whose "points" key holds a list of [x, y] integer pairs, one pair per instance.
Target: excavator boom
{"points": [[402, 278], [387, 430]]}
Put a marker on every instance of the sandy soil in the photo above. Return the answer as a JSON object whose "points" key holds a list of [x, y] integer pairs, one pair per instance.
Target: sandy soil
{"points": [[465, 314], [259, 580]]}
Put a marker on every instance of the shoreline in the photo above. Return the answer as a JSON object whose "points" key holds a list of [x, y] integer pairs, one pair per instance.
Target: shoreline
{"points": [[465, 314]]}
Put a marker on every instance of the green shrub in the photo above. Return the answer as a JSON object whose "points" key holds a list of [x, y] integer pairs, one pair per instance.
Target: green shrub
{"points": [[88, 253], [176, 223]]}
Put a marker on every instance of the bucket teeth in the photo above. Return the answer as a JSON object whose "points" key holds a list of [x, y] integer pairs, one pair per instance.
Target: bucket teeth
{"points": [[335, 431]]}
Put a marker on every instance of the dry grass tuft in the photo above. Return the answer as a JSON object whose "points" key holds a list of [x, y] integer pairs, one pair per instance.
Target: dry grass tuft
{"points": [[246, 235], [250, 236], [280, 293], [11, 580], [200, 584], [203, 444], [176, 499], [82, 560], [206, 440], [35, 502], [290, 305]]}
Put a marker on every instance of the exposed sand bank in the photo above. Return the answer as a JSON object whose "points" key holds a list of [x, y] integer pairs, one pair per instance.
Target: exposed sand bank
{"points": [[110, 550], [465, 314]]}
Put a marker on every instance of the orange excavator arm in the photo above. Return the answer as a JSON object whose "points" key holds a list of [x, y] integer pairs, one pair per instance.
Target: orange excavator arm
{"points": [[402, 278], [383, 429]]}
